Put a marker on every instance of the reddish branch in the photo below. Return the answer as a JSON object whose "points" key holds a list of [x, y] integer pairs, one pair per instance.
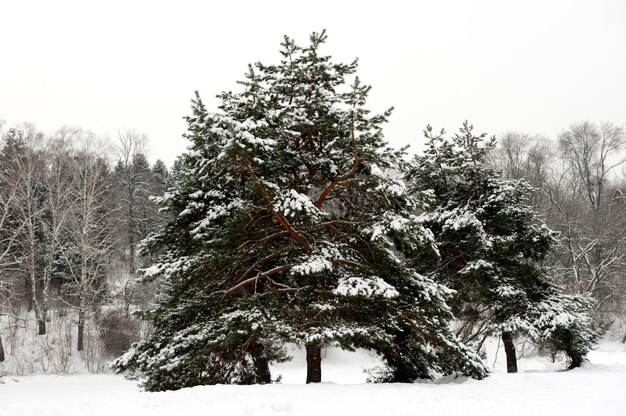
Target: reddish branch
{"points": [[242, 353], [333, 222], [278, 215], [348, 263], [428, 337], [260, 262], [257, 243], [309, 137], [343, 177], [256, 278], [417, 329], [331, 228]]}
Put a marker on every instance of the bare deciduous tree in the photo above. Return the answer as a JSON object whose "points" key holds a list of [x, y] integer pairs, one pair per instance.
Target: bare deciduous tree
{"points": [[88, 244], [522, 156], [577, 195], [592, 153], [588, 212]]}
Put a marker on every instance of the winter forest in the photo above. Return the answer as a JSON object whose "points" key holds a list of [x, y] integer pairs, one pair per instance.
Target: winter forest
{"points": [[290, 230]]}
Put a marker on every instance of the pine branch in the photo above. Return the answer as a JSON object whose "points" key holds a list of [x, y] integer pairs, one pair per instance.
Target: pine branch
{"points": [[260, 262], [343, 177], [256, 278], [420, 332], [257, 243], [305, 244]]}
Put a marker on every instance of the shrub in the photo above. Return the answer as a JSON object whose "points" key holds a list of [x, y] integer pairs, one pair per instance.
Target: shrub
{"points": [[118, 331]]}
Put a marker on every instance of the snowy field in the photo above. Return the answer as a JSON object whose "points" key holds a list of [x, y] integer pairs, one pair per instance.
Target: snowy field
{"points": [[598, 388]]}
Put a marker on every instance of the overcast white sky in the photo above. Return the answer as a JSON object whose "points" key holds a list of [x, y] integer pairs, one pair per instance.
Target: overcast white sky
{"points": [[533, 66]]}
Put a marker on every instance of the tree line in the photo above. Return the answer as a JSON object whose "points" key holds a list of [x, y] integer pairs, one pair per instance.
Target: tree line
{"points": [[72, 210]]}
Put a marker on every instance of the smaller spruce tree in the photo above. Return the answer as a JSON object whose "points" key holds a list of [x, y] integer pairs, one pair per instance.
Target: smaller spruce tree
{"points": [[491, 245]]}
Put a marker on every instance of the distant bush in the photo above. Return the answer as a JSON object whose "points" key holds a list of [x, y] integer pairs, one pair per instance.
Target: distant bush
{"points": [[118, 331]]}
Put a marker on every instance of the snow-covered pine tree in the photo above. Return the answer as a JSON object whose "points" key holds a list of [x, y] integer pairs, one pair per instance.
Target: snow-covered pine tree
{"points": [[281, 232], [491, 245]]}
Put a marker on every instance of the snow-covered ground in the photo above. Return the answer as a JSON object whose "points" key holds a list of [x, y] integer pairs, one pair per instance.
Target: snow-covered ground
{"points": [[598, 388]]}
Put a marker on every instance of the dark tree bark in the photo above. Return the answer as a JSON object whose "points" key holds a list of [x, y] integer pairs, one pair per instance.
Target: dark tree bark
{"points": [[576, 359], [260, 362], [509, 349], [36, 302], [1, 350], [81, 333], [131, 237], [41, 326], [313, 363], [399, 359]]}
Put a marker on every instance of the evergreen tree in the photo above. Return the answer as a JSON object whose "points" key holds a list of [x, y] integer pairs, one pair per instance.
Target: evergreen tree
{"points": [[134, 185], [13, 149], [174, 174], [24, 171], [161, 175], [285, 229], [491, 244]]}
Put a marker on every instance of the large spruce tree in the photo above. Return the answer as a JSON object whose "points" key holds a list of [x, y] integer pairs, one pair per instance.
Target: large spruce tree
{"points": [[285, 228], [491, 245]]}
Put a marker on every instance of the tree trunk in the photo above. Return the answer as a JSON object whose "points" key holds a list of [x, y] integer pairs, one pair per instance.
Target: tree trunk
{"points": [[81, 332], [1, 350], [260, 363], [313, 363], [30, 298], [131, 235], [39, 315], [41, 325], [576, 359], [509, 349], [400, 360]]}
